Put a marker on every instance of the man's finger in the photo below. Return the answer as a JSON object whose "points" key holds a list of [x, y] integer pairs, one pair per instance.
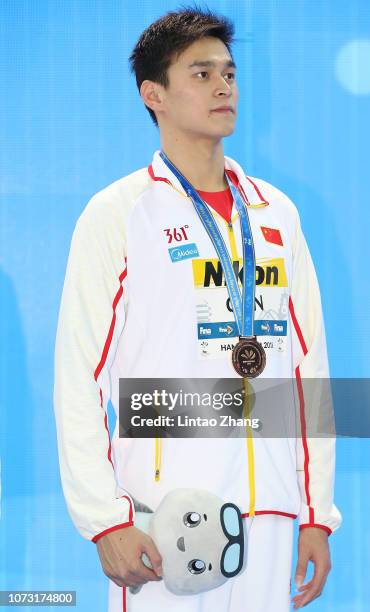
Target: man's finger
{"points": [[142, 573], [154, 557], [301, 600], [306, 586], [314, 588], [301, 569]]}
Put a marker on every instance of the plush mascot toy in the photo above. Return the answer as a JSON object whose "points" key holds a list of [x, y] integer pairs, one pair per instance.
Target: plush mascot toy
{"points": [[200, 538]]}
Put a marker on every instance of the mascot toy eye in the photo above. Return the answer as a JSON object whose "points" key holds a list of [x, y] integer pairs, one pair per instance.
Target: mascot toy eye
{"points": [[192, 519], [201, 540]]}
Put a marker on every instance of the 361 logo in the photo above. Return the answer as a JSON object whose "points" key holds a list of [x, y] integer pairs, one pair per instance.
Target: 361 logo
{"points": [[176, 234]]}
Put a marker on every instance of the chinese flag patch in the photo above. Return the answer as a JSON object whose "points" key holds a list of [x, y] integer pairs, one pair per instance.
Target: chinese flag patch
{"points": [[272, 235]]}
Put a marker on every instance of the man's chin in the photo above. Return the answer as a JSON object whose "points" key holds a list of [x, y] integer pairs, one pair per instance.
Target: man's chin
{"points": [[226, 132], [230, 130], [213, 134]]}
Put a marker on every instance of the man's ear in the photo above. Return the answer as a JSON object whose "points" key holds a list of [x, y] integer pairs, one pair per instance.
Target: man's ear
{"points": [[151, 95]]}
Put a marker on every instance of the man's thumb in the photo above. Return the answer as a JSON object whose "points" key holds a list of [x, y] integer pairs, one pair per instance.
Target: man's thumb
{"points": [[300, 572], [155, 557]]}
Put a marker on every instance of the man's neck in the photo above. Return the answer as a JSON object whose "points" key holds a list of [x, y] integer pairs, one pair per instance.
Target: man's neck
{"points": [[201, 161]]}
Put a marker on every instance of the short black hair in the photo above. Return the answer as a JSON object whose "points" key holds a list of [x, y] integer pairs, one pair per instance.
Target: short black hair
{"points": [[169, 36]]}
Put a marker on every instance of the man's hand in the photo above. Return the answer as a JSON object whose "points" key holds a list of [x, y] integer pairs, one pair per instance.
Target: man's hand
{"points": [[312, 546], [120, 555]]}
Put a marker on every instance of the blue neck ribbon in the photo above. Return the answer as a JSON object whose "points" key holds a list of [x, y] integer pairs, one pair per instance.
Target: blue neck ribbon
{"points": [[242, 303]]}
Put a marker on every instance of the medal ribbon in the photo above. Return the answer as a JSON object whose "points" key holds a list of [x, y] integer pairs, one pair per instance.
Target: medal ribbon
{"points": [[242, 303]]}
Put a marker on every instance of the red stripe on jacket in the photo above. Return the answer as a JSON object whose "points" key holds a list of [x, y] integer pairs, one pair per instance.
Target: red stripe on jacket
{"points": [[236, 183], [111, 328], [256, 188], [302, 412], [104, 356], [97, 372]]}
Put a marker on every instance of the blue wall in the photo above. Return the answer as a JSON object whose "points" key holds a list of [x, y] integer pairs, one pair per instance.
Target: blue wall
{"points": [[70, 113]]}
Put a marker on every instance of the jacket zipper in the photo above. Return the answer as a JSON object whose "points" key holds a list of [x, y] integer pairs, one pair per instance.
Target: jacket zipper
{"points": [[246, 410]]}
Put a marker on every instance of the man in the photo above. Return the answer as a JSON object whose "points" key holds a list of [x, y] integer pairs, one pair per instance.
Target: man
{"points": [[131, 308]]}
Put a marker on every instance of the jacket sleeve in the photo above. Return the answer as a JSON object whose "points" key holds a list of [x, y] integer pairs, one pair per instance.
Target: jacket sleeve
{"points": [[91, 317], [316, 442]]}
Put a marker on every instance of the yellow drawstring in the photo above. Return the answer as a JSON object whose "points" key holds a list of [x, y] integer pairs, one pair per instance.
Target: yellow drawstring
{"points": [[158, 453], [250, 450], [230, 229], [158, 458]]}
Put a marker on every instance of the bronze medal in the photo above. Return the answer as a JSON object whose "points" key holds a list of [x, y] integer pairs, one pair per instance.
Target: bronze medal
{"points": [[249, 357]]}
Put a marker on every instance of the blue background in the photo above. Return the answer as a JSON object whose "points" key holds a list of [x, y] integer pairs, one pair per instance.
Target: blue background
{"points": [[71, 122]]}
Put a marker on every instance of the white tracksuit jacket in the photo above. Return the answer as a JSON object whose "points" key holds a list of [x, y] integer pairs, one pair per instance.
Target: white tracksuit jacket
{"points": [[130, 310]]}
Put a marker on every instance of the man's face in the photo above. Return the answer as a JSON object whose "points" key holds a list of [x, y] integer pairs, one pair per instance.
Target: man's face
{"points": [[201, 80]]}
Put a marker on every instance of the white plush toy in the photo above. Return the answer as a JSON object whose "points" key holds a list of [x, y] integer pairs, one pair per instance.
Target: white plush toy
{"points": [[200, 538]]}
